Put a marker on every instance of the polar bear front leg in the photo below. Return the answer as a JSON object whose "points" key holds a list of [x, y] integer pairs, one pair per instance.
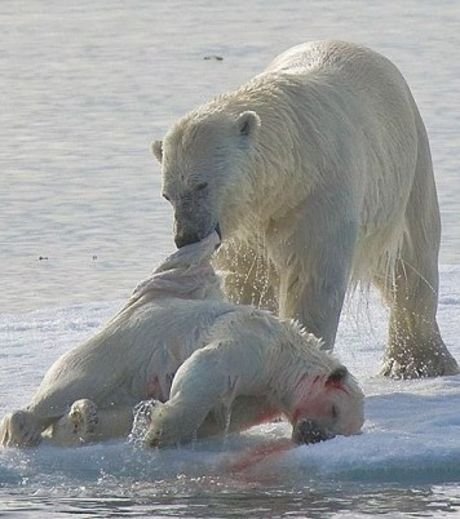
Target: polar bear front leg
{"points": [[245, 412], [20, 429], [313, 300], [200, 384], [314, 265], [416, 348]]}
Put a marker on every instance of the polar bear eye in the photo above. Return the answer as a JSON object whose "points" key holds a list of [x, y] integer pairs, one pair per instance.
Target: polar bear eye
{"points": [[201, 186], [335, 412]]}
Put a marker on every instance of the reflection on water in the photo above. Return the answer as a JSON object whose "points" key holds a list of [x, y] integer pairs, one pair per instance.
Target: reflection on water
{"points": [[119, 479], [209, 499], [86, 86]]}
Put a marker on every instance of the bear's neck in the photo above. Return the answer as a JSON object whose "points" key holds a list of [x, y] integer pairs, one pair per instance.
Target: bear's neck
{"points": [[267, 170]]}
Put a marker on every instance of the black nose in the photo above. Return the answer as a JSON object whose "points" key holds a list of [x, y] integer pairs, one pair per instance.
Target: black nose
{"points": [[186, 239], [307, 431]]}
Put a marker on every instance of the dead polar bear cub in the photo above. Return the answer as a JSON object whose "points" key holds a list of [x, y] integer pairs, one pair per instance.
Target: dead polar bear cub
{"points": [[231, 359], [317, 172]]}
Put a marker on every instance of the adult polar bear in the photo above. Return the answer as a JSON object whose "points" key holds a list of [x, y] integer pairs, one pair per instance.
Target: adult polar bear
{"points": [[317, 172], [179, 321]]}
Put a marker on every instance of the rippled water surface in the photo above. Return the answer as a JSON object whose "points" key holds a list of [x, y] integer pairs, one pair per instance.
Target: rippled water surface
{"points": [[85, 87]]}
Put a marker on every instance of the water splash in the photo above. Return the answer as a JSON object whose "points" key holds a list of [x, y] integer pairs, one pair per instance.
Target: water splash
{"points": [[141, 422]]}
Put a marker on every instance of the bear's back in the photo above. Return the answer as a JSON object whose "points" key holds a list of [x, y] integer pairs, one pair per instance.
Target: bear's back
{"points": [[347, 58]]}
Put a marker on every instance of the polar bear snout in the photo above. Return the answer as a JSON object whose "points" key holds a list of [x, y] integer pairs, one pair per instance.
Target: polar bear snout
{"points": [[308, 431], [181, 239], [188, 238], [192, 223]]}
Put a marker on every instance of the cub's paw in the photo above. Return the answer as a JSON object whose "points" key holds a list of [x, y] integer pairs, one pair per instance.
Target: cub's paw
{"points": [[167, 427], [78, 426], [83, 417]]}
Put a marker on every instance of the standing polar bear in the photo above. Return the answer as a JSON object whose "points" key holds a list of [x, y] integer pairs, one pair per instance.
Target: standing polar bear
{"points": [[236, 367], [317, 173]]}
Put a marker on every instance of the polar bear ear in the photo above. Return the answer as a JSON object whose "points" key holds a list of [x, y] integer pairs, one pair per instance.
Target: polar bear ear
{"points": [[248, 123], [157, 150]]}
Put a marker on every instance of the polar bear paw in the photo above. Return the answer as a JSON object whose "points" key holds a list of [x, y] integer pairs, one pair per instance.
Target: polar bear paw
{"points": [[429, 363], [168, 427], [83, 417], [155, 430], [78, 426], [20, 429]]}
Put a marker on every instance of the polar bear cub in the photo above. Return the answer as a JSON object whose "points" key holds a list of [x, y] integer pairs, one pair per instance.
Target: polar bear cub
{"points": [[222, 366], [254, 368]]}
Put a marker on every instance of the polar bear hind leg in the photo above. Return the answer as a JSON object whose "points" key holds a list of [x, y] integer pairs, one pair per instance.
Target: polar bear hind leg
{"points": [[78, 426], [85, 423], [415, 347], [20, 429]]}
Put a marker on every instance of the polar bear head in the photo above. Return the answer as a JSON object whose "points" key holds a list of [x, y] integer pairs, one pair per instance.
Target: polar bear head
{"points": [[326, 406], [204, 158]]}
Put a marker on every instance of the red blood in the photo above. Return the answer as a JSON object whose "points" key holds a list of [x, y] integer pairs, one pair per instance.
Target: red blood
{"points": [[154, 389], [258, 454]]}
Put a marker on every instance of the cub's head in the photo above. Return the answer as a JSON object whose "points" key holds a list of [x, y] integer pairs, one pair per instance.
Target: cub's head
{"points": [[327, 405], [203, 158]]}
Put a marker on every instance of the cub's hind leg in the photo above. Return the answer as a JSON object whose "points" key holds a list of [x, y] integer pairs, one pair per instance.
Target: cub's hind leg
{"points": [[85, 423]]}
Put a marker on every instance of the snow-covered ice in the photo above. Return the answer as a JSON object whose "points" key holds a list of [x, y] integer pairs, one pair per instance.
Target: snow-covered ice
{"points": [[411, 435]]}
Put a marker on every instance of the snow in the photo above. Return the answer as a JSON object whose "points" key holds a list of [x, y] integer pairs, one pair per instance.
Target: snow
{"points": [[411, 433]]}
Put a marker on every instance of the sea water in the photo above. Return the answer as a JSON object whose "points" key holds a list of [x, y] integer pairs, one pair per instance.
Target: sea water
{"points": [[85, 88]]}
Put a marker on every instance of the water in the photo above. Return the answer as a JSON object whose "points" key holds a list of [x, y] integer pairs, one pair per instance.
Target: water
{"points": [[85, 87]]}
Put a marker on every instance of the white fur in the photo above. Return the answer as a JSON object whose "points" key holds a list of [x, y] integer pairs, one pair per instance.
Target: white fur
{"points": [[178, 314], [330, 182], [253, 369]]}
